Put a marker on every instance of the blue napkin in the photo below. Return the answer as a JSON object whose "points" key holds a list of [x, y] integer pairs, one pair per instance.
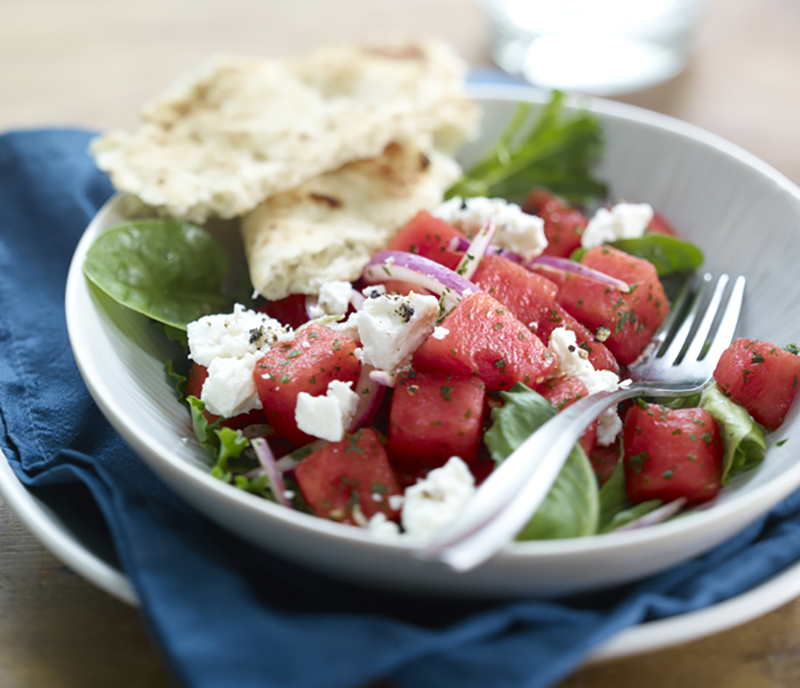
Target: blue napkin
{"points": [[222, 613]]}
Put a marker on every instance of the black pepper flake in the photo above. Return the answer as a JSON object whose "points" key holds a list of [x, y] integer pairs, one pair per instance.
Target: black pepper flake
{"points": [[256, 333], [405, 312]]}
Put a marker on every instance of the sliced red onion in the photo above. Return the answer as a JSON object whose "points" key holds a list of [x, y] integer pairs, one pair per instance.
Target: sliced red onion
{"points": [[370, 393], [409, 267], [656, 516], [476, 250], [288, 463], [357, 300], [313, 310], [460, 244], [575, 268], [382, 378], [268, 463]]}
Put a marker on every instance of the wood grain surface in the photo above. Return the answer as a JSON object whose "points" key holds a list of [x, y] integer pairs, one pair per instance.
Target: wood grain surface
{"points": [[91, 63]]}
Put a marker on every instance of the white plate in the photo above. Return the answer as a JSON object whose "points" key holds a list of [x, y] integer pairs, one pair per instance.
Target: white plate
{"points": [[716, 194], [69, 545]]}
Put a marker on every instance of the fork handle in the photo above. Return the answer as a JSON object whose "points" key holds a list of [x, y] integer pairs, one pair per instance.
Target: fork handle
{"points": [[505, 501]]}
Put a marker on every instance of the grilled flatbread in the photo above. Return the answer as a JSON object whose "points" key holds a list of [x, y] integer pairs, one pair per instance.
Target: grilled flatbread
{"points": [[328, 228], [240, 130]]}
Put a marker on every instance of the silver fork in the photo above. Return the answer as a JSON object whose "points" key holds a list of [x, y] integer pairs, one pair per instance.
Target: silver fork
{"points": [[683, 356]]}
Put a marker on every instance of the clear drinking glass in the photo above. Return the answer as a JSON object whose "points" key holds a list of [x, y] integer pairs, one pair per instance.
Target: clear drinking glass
{"points": [[603, 47]]}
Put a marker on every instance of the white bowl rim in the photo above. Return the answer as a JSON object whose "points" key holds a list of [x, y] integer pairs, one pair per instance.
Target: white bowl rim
{"points": [[532, 550]]}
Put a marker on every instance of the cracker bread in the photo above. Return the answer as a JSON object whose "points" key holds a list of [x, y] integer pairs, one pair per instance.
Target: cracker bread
{"points": [[240, 130], [328, 228]]}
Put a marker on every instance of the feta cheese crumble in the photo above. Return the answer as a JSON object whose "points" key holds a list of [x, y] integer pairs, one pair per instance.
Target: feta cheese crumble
{"points": [[382, 528], [391, 328], [623, 221], [229, 389], [440, 332], [334, 299], [517, 231], [434, 502], [574, 362], [327, 417], [231, 335]]}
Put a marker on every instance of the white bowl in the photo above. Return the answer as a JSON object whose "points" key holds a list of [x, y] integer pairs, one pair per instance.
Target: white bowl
{"points": [[743, 214]]}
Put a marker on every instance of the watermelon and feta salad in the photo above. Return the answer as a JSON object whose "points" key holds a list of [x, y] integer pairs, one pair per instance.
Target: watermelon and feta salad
{"points": [[383, 403]]}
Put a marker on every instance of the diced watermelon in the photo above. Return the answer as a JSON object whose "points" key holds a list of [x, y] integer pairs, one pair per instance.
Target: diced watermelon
{"points": [[526, 294], [353, 474], [430, 237], [289, 311], [433, 417], [604, 460], [599, 356], [563, 225], [760, 377], [562, 392], [671, 454], [484, 339], [660, 225], [307, 363], [631, 318]]}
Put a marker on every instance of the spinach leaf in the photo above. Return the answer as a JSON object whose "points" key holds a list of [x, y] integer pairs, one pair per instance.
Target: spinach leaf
{"points": [[571, 507], [669, 254], [553, 150], [742, 438], [170, 271]]}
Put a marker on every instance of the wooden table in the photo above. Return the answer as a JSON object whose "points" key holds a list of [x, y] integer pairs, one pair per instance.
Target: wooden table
{"points": [[91, 63]]}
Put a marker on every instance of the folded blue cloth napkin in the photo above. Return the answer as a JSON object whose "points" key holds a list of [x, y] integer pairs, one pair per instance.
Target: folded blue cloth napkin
{"points": [[222, 613]]}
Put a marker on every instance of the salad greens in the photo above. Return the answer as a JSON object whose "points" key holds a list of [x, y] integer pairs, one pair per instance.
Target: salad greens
{"points": [[669, 254], [571, 508], [554, 150], [170, 271], [743, 440], [615, 509]]}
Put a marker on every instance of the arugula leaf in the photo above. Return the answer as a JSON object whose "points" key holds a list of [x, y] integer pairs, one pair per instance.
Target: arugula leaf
{"points": [[743, 440], [170, 271], [667, 253], [257, 486], [571, 507], [555, 151]]}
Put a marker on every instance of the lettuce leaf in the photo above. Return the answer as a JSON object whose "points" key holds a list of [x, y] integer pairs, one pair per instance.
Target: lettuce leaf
{"points": [[224, 446], [171, 271], [555, 151], [571, 507], [743, 440]]}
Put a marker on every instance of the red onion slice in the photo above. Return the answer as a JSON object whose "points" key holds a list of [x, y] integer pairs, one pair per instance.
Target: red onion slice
{"points": [[370, 394], [312, 306], [460, 244], [476, 250], [382, 378], [415, 269], [357, 300], [288, 463], [571, 266], [656, 516], [268, 463]]}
